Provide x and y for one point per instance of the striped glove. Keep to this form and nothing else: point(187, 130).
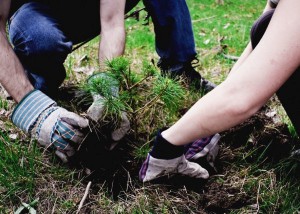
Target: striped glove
point(53, 126)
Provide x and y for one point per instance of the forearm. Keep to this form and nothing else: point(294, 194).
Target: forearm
point(254, 82)
point(219, 110)
point(231, 103)
point(247, 51)
point(12, 75)
point(112, 44)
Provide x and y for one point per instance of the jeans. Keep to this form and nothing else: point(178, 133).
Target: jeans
point(43, 34)
point(42, 39)
point(288, 92)
point(173, 30)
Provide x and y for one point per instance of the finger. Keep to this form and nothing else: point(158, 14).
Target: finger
point(154, 168)
point(74, 119)
point(59, 142)
point(192, 169)
point(98, 98)
point(65, 154)
point(119, 133)
point(68, 132)
point(62, 156)
point(95, 111)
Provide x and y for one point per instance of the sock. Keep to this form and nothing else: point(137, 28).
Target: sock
point(162, 149)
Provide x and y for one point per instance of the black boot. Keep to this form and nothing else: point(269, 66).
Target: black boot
point(186, 71)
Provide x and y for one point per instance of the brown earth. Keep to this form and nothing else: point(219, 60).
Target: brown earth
point(117, 167)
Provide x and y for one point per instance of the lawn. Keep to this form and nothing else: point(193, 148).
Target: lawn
point(254, 170)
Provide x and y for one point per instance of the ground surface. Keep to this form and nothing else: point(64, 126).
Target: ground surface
point(254, 170)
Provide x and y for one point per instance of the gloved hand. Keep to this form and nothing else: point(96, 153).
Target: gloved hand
point(166, 159)
point(205, 147)
point(154, 168)
point(96, 110)
point(53, 126)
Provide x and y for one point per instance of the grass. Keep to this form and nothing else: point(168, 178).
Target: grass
point(17, 166)
point(275, 185)
point(255, 171)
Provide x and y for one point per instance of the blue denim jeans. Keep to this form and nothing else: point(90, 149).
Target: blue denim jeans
point(43, 35)
point(173, 30)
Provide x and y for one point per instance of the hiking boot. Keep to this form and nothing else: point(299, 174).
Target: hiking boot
point(188, 72)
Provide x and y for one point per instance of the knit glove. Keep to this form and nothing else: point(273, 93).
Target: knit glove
point(97, 109)
point(53, 126)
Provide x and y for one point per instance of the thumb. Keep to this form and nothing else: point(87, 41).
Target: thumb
point(192, 169)
point(121, 131)
point(95, 111)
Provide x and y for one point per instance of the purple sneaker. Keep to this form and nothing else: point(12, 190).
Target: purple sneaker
point(203, 147)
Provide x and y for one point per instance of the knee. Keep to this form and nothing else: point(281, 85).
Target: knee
point(38, 38)
point(37, 41)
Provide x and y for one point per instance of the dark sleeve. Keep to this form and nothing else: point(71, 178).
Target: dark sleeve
point(15, 5)
point(273, 3)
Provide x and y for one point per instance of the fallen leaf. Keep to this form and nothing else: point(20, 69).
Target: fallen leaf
point(13, 136)
point(206, 41)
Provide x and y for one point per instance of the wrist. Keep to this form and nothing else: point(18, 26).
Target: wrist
point(20, 95)
point(163, 149)
point(29, 108)
point(167, 135)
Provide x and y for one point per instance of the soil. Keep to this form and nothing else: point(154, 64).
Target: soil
point(117, 167)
